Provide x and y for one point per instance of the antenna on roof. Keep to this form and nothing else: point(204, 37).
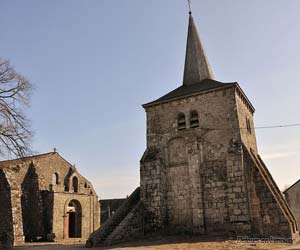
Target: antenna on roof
point(190, 8)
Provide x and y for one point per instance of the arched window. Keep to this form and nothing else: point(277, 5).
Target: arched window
point(181, 121)
point(85, 185)
point(194, 119)
point(75, 184)
point(55, 179)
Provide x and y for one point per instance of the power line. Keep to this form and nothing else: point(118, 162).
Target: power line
point(256, 128)
point(279, 126)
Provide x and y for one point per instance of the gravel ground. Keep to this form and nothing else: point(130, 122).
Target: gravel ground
point(167, 245)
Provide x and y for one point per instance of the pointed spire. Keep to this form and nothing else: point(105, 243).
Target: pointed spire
point(196, 67)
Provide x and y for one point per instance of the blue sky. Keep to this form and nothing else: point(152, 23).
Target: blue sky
point(93, 63)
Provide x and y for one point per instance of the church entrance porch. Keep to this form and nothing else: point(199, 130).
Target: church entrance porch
point(73, 220)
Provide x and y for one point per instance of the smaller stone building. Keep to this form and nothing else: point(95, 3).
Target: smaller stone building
point(109, 207)
point(292, 196)
point(43, 195)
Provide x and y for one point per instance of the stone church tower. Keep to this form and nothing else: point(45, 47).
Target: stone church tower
point(201, 172)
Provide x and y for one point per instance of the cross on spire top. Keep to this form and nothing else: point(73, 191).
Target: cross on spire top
point(190, 9)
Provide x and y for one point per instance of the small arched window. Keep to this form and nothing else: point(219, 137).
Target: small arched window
point(85, 185)
point(194, 119)
point(55, 179)
point(75, 184)
point(181, 121)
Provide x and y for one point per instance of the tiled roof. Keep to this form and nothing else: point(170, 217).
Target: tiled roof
point(186, 90)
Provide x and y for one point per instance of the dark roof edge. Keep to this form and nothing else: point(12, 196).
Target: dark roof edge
point(28, 157)
point(246, 98)
point(116, 199)
point(228, 85)
point(291, 186)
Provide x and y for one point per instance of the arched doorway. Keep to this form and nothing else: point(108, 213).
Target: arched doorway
point(73, 219)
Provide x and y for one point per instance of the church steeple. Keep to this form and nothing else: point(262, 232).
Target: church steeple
point(196, 67)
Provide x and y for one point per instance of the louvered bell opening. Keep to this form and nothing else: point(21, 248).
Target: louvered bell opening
point(181, 122)
point(194, 121)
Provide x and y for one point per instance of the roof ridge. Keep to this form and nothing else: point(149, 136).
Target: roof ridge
point(28, 157)
point(287, 189)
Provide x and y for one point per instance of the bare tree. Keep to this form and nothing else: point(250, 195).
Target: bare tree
point(15, 92)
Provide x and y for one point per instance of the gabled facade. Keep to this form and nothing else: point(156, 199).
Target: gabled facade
point(44, 195)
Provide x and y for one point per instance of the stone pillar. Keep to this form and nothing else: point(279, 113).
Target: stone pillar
point(16, 233)
point(153, 184)
point(194, 165)
point(237, 194)
point(18, 236)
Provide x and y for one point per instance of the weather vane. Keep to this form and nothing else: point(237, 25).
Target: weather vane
point(190, 9)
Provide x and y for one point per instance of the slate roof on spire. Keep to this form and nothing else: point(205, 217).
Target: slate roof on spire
point(198, 76)
point(196, 67)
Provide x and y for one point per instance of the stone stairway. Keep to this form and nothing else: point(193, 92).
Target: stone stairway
point(267, 177)
point(100, 236)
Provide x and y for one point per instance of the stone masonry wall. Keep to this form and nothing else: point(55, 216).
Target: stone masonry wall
point(11, 207)
point(237, 196)
point(199, 180)
point(87, 202)
point(32, 205)
point(244, 113)
point(268, 218)
point(6, 225)
point(197, 164)
point(153, 189)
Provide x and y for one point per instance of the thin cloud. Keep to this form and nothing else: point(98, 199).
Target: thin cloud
point(279, 155)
